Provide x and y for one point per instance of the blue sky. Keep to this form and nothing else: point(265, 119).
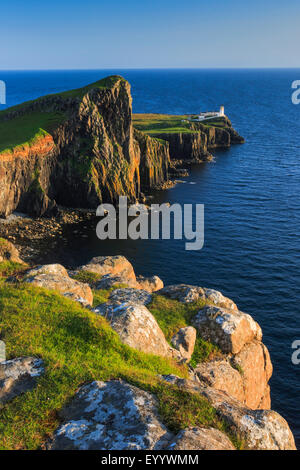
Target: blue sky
point(94, 34)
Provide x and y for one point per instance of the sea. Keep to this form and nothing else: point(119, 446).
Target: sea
point(251, 195)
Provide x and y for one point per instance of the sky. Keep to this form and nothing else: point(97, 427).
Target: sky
point(91, 34)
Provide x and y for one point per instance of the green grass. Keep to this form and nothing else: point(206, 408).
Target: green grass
point(88, 277)
point(25, 130)
point(10, 268)
point(172, 315)
point(77, 347)
point(157, 124)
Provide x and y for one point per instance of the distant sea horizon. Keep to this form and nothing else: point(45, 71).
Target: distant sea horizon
point(250, 192)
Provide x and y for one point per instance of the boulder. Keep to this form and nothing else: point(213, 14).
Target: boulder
point(108, 281)
point(256, 368)
point(112, 265)
point(18, 376)
point(201, 439)
point(55, 277)
point(184, 341)
point(220, 375)
point(258, 429)
point(8, 252)
point(136, 327)
point(130, 295)
point(150, 284)
point(186, 293)
point(229, 329)
point(111, 415)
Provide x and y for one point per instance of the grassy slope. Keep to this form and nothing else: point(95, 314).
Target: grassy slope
point(78, 346)
point(25, 129)
point(155, 124)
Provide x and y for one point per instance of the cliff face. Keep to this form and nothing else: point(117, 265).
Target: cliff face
point(200, 140)
point(89, 156)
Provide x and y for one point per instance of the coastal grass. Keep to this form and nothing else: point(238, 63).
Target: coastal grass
point(157, 124)
point(25, 130)
point(171, 315)
point(78, 346)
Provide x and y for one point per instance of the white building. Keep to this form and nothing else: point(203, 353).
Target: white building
point(211, 114)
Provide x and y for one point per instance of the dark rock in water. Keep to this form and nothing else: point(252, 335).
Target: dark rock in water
point(111, 415)
point(18, 376)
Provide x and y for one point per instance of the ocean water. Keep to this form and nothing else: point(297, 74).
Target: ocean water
point(251, 196)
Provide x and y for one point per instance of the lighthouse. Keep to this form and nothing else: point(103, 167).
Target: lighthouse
point(221, 113)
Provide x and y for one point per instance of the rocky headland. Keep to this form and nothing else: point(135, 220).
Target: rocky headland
point(83, 147)
point(101, 358)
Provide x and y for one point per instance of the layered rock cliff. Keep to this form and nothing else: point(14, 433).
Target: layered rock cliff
point(87, 154)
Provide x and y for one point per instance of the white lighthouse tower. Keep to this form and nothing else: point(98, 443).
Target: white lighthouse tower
point(221, 112)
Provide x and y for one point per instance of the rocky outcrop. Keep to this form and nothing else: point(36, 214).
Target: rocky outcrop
point(55, 277)
point(18, 376)
point(200, 140)
point(111, 265)
point(201, 439)
point(88, 155)
point(111, 416)
point(150, 284)
point(8, 252)
point(186, 293)
point(258, 429)
point(184, 341)
point(136, 327)
point(130, 295)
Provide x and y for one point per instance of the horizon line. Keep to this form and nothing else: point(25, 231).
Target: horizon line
point(146, 68)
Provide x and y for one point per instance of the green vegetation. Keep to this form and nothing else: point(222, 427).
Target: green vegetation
point(25, 130)
point(157, 124)
point(10, 268)
point(77, 347)
point(88, 277)
point(172, 315)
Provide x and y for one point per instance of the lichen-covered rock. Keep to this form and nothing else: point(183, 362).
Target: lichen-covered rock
point(201, 439)
point(111, 416)
point(186, 293)
point(258, 429)
point(130, 295)
point(18, 376)
point(8, 252)
point(55, 277)
point(136, 327)
point(113, 265)
point(108, 281)
point(220, 375)
point(184, 341)
point(229, 329)
point(150, 284)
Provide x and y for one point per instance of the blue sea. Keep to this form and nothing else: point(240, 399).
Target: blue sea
point(251, 194)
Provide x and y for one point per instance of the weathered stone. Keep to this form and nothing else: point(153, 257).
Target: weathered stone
point(130, 295)
point(55, 277)
point(184, 340)
point(150, 284)
point(2, 351)
point(186, 293)
point(201, 439)
point(256, 367)
point(108, 281)
point(259, 429)
point(111, 416)
point(229, 329)
point(8, 252)
point(18, 376)
point(136, 327)
point(112, 265)
point(220, 375)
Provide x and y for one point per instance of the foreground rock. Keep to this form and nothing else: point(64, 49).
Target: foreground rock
point(18, 376)
point(201, 439)
point(111, 416)
point(184, 341)
point(150, 284)
point(136, 327)
point(229, 329)
point(55, 277)
point(8, 252)
point(258, 429)
point(129, 295)
point(112, 265)
point(186, 293)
